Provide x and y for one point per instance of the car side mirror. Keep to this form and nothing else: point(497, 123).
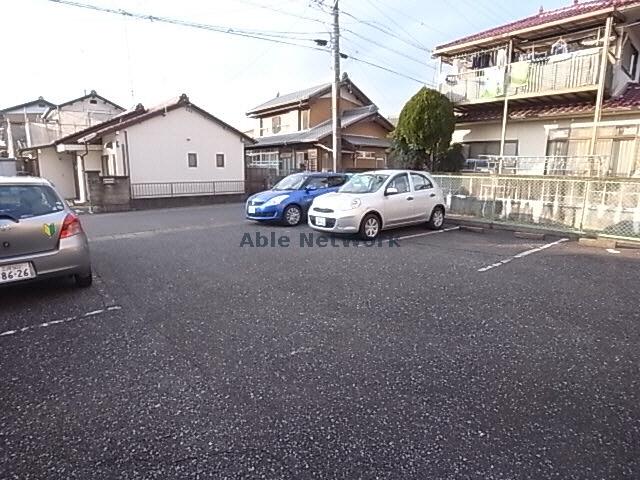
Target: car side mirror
point(391, 191)
point(310, 188)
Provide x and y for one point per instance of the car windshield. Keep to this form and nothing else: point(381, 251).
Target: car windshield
point(24, 201)
point(364, 183)
point(292, 182)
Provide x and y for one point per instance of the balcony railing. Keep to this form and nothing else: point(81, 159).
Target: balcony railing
point(554, 74)
point(559, 165)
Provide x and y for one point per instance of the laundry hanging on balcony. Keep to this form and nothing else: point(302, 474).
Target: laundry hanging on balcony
point(492, 82)
point(519, 74)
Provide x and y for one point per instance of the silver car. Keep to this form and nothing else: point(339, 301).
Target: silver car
point(40, 236)
point(374, 201)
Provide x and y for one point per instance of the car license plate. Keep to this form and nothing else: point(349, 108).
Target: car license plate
point(321, 221)
point(15, 272)
point(251, 210)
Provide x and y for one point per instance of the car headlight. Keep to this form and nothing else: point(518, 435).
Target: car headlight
point(355, 203)
point(276, 200)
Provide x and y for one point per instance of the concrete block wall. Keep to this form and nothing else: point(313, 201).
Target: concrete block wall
point(108, 194)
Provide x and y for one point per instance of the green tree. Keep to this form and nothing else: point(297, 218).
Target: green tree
point(424, 129)
point(452, 161)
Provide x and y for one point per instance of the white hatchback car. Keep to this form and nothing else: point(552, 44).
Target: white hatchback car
point(374, 201)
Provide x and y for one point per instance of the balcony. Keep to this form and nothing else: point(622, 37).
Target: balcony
point(576, 72)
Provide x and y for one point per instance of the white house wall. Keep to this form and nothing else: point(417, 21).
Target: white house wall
point(58, 169)
point(288, 123)
point(531, 135)
point(92, 161)
point(158, 149)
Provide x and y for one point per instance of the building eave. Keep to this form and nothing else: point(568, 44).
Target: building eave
point(480, 40)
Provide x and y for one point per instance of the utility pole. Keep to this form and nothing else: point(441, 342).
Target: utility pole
point(335, 91)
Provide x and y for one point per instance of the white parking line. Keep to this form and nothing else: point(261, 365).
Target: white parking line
point(62, 320)
point(522, 255)
point(429, 233)
point(161, 231)
point(415, 236)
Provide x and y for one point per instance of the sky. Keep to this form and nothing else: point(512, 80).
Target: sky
point(60, 52)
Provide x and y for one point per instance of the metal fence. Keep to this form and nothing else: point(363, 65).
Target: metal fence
point(188, 189)
point(570, 165)
point(602, 206)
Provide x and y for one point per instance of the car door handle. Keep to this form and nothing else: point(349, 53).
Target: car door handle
point(432, 195)
point(409, 198)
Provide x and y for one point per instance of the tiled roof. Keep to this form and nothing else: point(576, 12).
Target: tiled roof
point(294, 97)
point(38, 101)
point(91, 95)
point(139, 114)
point(628, 101)
point(349, 117)
point(542, 18)
point(363, 141)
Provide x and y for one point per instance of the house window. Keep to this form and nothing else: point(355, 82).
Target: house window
point(304, 119)
point(93, 101)
point(473, 150)
point(105, 164)
point(193, 160)
point(262, 159)
point(365, 155)
point(220, 160)
point(276, 124)
point(629, 60)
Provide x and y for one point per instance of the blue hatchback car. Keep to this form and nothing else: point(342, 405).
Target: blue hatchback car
point(289, 200)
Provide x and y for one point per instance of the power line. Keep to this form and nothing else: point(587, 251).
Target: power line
point(413, 19)
point(386, 69)
point(284, 12)
point(256, 34)
point(409, 35)
point(397, 52)
point(493, 12)
point(382, 67)
point(220, 29)
point(377, 26)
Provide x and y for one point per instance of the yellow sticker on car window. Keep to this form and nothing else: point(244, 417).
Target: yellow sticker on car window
point(49, 229)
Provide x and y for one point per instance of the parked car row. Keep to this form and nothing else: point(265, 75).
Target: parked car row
point(365, 203)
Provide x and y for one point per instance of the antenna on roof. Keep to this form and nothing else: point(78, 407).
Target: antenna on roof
point(541, 11)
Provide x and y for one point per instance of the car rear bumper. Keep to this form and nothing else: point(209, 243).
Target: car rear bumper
point(71, 258)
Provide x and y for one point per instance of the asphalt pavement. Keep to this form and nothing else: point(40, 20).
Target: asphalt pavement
point(200, 354)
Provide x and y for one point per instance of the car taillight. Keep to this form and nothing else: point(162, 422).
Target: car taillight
point(71, 226)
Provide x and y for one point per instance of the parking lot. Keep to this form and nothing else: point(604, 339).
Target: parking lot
point(448, 355)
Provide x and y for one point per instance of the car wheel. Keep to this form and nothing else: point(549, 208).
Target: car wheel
point(83, 281)
point(437, 219)
point(292, 215)
point(369, 227)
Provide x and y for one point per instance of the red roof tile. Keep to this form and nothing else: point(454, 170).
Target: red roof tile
point(629, 101)
point(577, 8)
